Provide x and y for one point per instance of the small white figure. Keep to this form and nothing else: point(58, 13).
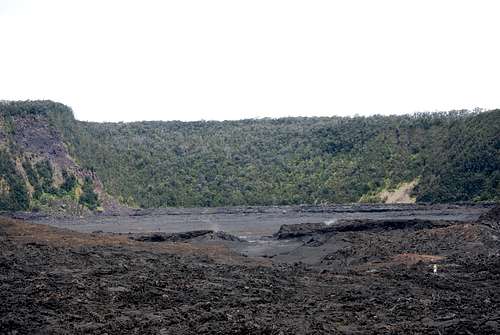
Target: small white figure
point(435, 268)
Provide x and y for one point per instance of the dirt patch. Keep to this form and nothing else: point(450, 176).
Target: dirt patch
point(410, 259)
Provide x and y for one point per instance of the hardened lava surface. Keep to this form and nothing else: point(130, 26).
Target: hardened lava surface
point(366, 277)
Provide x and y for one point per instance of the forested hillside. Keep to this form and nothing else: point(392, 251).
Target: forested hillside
point(455, 157)
point(452, 156)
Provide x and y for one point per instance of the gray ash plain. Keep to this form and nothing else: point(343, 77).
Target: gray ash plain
point(257, 225)
point(254, 222)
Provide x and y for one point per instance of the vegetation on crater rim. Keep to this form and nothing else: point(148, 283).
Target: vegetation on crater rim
point(454, 155)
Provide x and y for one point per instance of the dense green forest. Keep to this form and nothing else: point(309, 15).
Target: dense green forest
point(294, 160)
point(453, 155)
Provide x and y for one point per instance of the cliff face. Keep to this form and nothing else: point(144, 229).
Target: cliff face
point(37, 172)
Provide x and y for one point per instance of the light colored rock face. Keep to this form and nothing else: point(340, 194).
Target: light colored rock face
point(401, 195)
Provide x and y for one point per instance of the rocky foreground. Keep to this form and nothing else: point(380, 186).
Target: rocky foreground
point(373, 277)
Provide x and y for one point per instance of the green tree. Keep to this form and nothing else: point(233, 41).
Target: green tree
point(89, 198)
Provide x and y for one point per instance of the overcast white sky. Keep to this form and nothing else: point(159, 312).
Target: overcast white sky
point(114, 60)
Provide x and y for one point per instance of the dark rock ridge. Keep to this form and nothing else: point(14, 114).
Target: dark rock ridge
point(283, 209)
point(300, 230)
point(187, 236)
point(491, 218)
